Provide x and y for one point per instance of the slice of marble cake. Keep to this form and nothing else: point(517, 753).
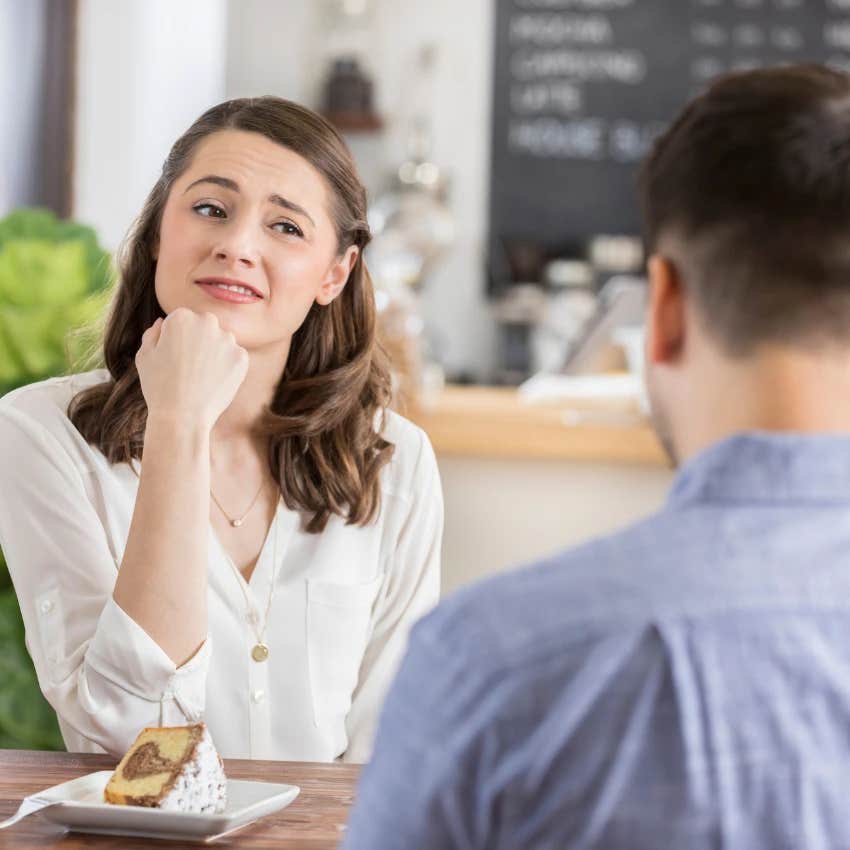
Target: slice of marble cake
point(176, 768)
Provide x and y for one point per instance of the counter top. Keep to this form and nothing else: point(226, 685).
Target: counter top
point(495, 422)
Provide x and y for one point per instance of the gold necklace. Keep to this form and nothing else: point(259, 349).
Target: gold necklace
point(237, 521)
point(260, 650)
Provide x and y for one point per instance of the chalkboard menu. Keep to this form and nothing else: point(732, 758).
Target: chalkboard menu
point(582, 87)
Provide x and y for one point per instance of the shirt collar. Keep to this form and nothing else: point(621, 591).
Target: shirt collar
point(766, 467)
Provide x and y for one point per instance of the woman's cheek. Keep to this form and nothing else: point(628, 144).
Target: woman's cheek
point(299, 277)
point(167, 288)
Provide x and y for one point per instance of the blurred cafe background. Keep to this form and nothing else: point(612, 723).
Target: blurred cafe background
point(499, 141)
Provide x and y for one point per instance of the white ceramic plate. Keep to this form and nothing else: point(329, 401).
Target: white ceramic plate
point(81, 809)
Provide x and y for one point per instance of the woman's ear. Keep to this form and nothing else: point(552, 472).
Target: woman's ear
point(666, 320)
point(337, 276)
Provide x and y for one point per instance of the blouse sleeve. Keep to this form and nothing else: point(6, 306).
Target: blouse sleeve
point(105, 677)
point(411, 589)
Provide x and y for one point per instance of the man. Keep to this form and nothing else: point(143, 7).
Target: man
point(684, 683)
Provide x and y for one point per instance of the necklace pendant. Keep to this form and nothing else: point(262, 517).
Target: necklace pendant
point(260, 652)
point(236, 523)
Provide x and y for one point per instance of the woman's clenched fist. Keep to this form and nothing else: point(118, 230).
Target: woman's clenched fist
point(190, 369)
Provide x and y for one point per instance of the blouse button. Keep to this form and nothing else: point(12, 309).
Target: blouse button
point(257, 696)
point(46, 607)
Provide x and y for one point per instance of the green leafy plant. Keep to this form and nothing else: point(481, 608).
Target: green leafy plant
point(54, 287)
point(54, 279)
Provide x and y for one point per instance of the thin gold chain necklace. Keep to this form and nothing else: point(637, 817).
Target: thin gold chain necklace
point(237, 521)
point(260, 650)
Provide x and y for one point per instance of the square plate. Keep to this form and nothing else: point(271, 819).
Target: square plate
point(80, 808)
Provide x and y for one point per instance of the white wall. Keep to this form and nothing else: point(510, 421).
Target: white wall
point(502, 513)
point(269, 48)
point(21, 84)
point(282, 47)
point(146, 69)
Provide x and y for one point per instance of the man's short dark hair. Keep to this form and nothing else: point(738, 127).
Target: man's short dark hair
point(748, 192)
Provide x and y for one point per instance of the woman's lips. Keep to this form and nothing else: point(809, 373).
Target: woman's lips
point(224, 292)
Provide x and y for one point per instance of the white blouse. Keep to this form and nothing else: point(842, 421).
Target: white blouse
point(343, 603)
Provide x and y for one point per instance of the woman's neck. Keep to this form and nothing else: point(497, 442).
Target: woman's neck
point(236, 424)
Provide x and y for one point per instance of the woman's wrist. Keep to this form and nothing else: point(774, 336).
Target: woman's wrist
point(179, 422)
point(182, 432)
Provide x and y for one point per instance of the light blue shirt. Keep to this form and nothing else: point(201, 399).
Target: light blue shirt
point(682, 684)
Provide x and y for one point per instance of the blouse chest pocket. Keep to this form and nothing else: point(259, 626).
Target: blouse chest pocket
point(338, 626)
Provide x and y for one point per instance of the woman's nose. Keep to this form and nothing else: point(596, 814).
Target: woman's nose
point(237, 247)
point(243, 258)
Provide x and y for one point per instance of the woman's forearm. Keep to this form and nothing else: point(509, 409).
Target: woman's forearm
point(162, 582)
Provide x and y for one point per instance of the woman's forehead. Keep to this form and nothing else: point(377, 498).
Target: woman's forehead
point(256, 164)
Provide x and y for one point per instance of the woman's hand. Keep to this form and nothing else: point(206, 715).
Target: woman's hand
point(190, 369)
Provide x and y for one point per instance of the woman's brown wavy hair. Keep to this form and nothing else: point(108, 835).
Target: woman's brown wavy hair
point(324, 449)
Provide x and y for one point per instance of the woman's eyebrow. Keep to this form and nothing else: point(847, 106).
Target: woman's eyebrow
point(227, 183)
point(224, 182)
point(292, 206)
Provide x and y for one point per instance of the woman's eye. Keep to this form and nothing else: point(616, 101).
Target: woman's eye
point(287, 227)
point(209, 210)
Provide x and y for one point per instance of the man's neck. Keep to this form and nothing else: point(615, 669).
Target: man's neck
point(776, 389)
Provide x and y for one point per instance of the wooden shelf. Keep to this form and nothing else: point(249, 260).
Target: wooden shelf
point(494, 422)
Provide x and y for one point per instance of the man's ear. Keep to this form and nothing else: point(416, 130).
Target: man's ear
point(666, 322)
point(337, 276)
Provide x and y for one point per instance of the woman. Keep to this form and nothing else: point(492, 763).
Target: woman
point(225, 523)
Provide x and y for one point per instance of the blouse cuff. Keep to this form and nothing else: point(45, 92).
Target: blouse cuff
point(125, 654)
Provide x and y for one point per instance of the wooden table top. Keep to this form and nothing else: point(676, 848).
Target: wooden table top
point(494, 422)
point(313, 822)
